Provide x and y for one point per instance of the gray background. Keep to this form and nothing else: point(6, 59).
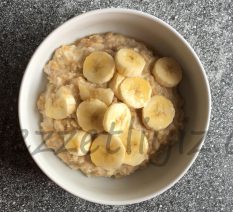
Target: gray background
point(207, 26)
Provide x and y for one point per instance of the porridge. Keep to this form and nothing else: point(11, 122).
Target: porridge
point(111, 105)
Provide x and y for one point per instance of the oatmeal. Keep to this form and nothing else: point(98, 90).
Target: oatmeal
point(111, 105)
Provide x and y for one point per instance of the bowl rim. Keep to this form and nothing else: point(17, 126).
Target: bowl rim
point(187, 45)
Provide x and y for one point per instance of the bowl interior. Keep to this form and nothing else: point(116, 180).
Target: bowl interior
point(154, 179)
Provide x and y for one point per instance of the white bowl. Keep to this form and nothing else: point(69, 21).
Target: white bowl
point(153, 180)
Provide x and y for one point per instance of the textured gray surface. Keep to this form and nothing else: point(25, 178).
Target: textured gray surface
point(207, 26)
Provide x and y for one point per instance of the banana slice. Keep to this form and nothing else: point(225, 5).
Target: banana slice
point(115, 82)
point(99, 67)
point(135, 92)
point(136, 146)
point(88, 91)
point(62, 105)
point(158, 113)
point(90, 114)
point(117, 118)
point(107, 151)
point(129, 63)
point(78, 143)
point(167, 72)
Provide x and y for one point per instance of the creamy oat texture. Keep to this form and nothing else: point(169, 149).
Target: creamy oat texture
point(64, 69)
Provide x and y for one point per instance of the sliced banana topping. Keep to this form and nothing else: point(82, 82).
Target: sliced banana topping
point(167, 72)
point(117, 118)
point(115, 82)
point(135, 92)
point(99, 67)
point(62, 105)
point(90, 114)
point(136, 146)
point(78, 143)
point(129, 63)
point(107, 151)
point(158, 113)
point(88, 90)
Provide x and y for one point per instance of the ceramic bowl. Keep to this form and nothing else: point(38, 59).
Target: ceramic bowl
point(143, 184)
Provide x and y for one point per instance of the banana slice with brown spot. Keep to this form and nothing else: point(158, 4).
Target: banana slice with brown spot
point(158, 114)
point(99, 67)
point(136, 146)
point(135, 92)
point(90, 115)
point(78, 143)
point(115, 82)
point(88, 91)
point(117, 118)
point(107, 151)
point(62, 105)
point(129, 62)
point(167, 72)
